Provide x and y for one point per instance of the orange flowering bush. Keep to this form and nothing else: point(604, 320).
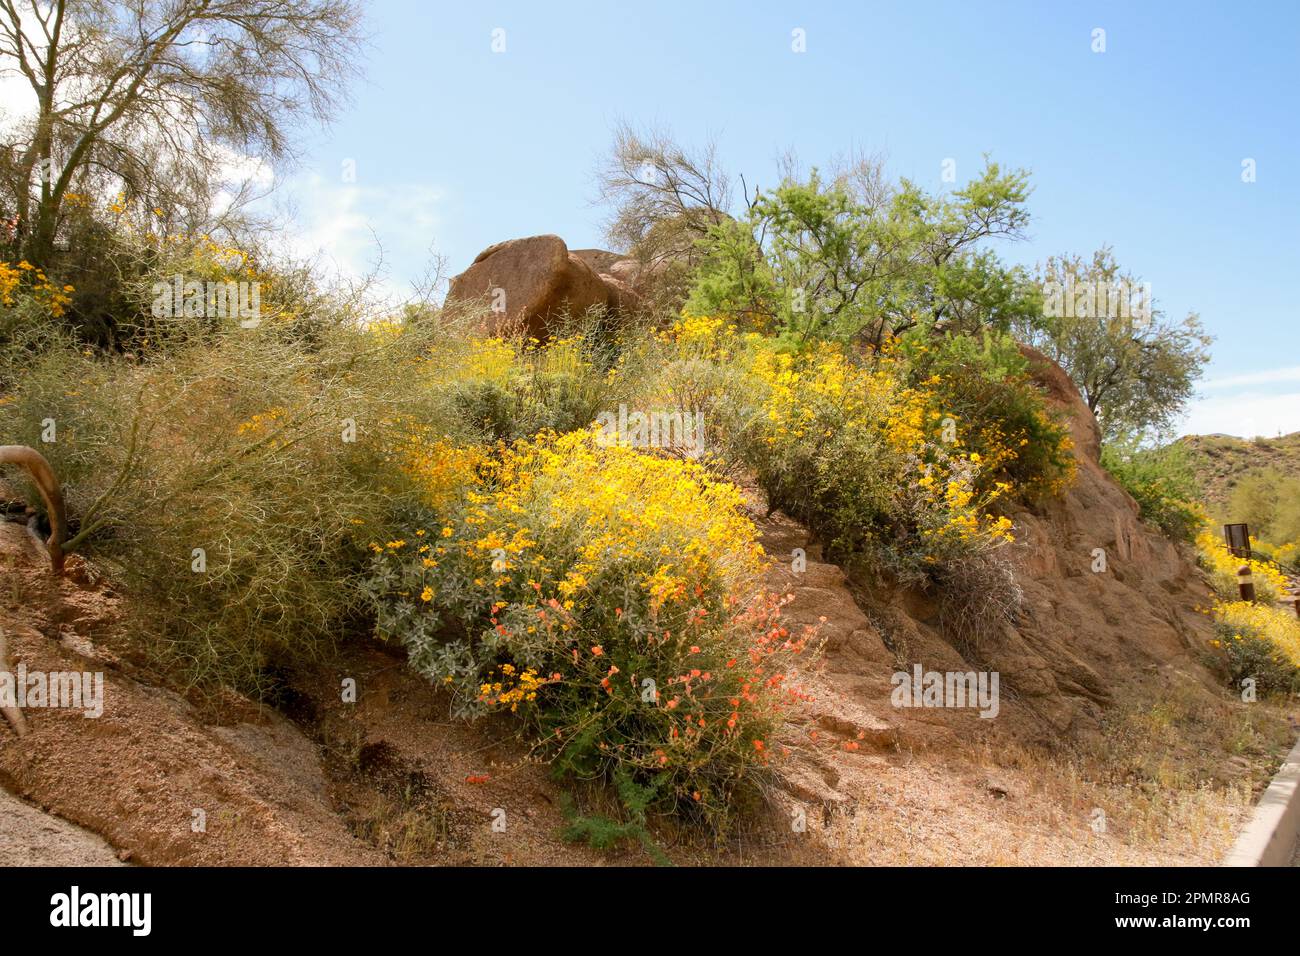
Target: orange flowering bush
point(608, 597)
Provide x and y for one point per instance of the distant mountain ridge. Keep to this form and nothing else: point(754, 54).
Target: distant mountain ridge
point(1220, 461)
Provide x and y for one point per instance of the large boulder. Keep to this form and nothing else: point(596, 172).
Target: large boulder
point(530, 282)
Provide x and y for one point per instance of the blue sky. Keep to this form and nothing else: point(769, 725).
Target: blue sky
point(1140, 146)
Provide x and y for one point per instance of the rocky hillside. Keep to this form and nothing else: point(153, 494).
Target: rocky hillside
point(1221, 460)
point(389, 779)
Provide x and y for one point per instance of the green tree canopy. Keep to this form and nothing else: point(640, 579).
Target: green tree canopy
point(1135, 368)
point(847, 258)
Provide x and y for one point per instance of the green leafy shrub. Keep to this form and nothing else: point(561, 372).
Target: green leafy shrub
point(1161, 481)
point(982, 381)
point(507, 389)
point(1260, 643)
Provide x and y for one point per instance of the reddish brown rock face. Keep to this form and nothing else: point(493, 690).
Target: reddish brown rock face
point(531, 282)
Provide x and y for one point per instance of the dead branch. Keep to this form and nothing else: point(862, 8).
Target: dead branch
point(48, 485)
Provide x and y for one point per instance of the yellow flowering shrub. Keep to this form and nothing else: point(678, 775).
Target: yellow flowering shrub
point(1260, 643)
point(982, 387)
point(1259, 640)
point(24, 280)
point(1288, 555)
point(862, 457)
point(898, 459)
point(1222, 566)
point(9, 279)
point(507, 389)
point(438, 469)
point(609, 598)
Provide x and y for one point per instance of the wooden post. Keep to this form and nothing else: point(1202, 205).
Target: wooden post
point(1246, 583)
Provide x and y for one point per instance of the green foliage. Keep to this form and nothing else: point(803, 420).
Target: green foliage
point(561, 387)
point(604, 833)
point(1161, 480)
point(230, 443)
point(1252, 654)
point(1269, 502)
point(1135, 368)
point(831, 259)
point(983, 382)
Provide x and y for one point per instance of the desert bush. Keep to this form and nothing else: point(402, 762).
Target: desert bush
point(982, 382)
point(1285, 556)
point(702, 367)
point(1269, 501)
point(1162, 482)
point(859, 455)
point(848, 444)
point(30, 301)
point(608, 598)
point(1261, 643)
point(218, 477)
point(505, 389)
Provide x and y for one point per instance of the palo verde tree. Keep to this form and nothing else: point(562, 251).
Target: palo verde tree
point(158, 99)
point(1136, 368)
point(852, 258)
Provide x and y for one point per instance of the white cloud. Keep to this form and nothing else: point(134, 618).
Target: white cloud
point(349, 227)
point(1245, 414)
point(1264, 377)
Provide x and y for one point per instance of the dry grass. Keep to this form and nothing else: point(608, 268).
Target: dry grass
point(1171, 782)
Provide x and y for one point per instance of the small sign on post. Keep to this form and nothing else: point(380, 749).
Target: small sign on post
point(1237, 537)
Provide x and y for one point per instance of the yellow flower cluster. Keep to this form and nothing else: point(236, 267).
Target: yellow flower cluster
point(491, 360)
point(440, 469)
point(1279, 627)
point(1265, 618)
point(803, 388)
point(700, 331)
point(609, 507)
point(9, 279)
point(260, 423)
point(823, 395)
point(1222, 565)
point(513, 689)
point(53, 297)
point(1288, 553)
